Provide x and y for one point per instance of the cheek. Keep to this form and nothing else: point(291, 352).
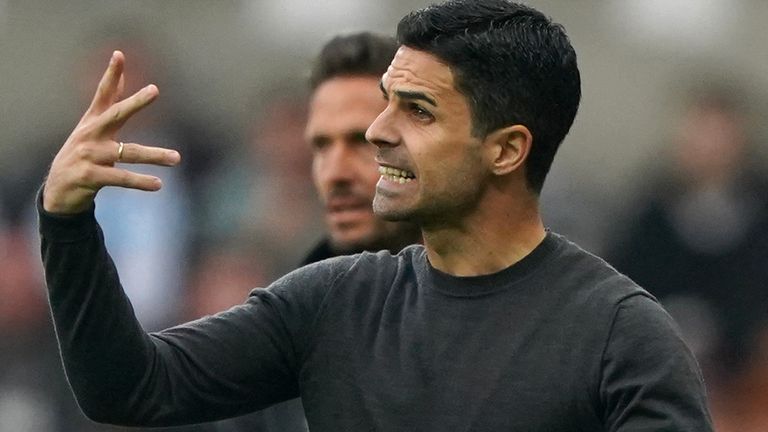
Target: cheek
point(366, 166)
point(316, 177)
point(370, 183)
point(454, 173)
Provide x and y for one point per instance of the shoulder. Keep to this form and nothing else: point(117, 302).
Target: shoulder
point(588, 275)
point(643, 315)
point(636, 334)
point(382, 269)
point(345, 272)
point(646, 366)
point(644, 362)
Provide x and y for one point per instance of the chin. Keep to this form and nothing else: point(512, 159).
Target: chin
point(346, 242)
point(390, 214)
point(392, 210)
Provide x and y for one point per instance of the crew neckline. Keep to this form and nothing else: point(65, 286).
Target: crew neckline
point(474, 286)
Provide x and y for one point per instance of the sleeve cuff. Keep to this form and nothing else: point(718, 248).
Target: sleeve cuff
point(65, 227)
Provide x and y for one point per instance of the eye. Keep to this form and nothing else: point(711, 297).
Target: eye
point(419, 112)
point(358, 138)
point(319, 143)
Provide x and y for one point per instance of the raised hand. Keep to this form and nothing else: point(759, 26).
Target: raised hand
point(86, 161)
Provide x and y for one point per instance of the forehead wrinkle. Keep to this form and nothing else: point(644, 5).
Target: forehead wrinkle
point(409, 64)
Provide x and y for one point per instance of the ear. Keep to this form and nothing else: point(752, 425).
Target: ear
point(509, 148)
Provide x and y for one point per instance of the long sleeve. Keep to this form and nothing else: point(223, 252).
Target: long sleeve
point(232, 363)
point(650, 381)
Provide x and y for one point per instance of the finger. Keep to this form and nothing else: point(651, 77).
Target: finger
point(112, 176)
point(101, 153)
point(137, 153)
point(114, 117)
point(105, 92)
point(120, 88)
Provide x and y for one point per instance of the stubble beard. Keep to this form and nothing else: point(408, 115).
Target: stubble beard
point(433, 213)
point(389, 212)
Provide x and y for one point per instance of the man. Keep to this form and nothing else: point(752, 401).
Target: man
point(344, 102)
point(493, 324)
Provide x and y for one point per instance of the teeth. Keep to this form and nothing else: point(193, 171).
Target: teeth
point(396, 175)
point(395, 172)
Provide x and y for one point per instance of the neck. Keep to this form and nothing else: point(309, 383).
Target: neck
point(486, 241)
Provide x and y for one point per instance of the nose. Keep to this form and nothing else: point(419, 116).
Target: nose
point(382, 132)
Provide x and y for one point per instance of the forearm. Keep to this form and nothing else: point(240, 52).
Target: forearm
point(106, 354)
point(235, 362)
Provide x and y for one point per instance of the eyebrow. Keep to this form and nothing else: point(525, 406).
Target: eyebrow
point(405, 94)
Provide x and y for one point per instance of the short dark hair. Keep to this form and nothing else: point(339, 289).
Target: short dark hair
point(356, 54)
point(511, 62)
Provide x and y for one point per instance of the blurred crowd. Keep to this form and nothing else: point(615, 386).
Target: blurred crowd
point(694, 233)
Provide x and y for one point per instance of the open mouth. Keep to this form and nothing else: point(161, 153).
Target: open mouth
point(396, 175)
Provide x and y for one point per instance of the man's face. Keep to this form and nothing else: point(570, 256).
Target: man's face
point(344, 168)
point(424, 134)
